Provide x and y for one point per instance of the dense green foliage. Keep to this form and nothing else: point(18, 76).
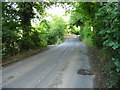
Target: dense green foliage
point(103, 17)
point(108, 33)
point(95, 22)
point(16, 28)
point(52, 31)
point(57, 30)
point(18, 33)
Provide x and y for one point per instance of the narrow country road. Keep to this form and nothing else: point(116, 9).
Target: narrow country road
point(57, 67)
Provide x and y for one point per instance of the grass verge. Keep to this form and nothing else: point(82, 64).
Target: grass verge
point(88, 42)
point(100, 80)
point(95, 56)
point(21, 56)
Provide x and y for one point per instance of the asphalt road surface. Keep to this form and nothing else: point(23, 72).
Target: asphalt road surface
point(56, 67)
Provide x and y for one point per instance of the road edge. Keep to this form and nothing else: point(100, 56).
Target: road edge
point(25, 55)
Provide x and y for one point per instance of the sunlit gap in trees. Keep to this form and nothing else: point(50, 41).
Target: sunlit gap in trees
point(54, 10)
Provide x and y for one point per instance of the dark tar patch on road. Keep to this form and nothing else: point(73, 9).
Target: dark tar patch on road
point(84, 72)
